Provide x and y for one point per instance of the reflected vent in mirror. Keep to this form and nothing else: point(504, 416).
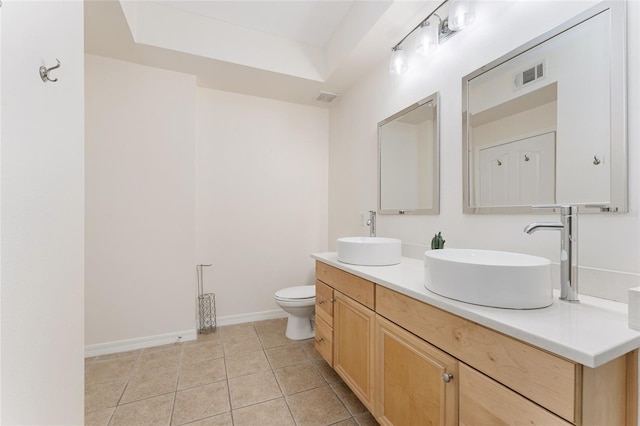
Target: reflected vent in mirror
point(326, 97)
point(529, 75)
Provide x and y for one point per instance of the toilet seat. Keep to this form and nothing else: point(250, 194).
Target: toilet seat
point(300, 292)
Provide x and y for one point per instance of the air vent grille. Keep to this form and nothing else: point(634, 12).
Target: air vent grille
point(529, 75)
point(327, 97)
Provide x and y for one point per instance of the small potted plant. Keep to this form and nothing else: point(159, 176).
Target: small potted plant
point(437, 242)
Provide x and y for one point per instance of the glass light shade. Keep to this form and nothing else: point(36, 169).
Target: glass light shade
point(427, 39)
point(399, 63)
point(461, 14)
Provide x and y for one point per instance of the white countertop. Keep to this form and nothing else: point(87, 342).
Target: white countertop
point(591, 332)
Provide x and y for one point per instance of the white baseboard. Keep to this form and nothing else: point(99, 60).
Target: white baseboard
point(139, 343)
point(251, 317)
point(175, 337)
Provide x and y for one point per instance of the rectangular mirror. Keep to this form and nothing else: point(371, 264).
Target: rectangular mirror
point(545, 124)
point(408, 157)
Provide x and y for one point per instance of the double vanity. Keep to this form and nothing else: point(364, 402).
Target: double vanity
point(415, 357)
point(474, 337)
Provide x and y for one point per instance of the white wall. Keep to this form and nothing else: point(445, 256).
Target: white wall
point(261, 197)
point(174, 180)
point(42, 190)
point(140, 244)
point(609, 245)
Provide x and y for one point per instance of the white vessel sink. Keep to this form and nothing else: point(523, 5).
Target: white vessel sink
point(369, 251)
point(490, 278)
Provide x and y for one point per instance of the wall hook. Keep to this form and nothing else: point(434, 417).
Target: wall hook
point(44, 72)
point(499, 163)
point(526, 157)
point(596, 160)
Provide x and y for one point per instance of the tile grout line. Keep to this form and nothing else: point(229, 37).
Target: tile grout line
point(175, 393)
point(226, 373)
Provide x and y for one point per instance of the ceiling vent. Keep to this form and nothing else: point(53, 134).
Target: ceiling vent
point(327, 97)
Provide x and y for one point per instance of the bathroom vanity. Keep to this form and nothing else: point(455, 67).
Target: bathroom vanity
point(413, 357)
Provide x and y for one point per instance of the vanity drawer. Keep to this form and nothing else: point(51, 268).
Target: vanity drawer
point(357, 288)
point(324, 340)
point(544, 378)
point(324, 302)
point(484, 401)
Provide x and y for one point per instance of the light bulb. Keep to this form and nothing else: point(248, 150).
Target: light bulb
point(399, 62)
point(461, 14)
point(427, 39)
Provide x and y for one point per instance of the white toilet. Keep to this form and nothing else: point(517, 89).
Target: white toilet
point(299, 303)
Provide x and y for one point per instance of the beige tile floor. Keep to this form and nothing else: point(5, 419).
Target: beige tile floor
point(245, 374)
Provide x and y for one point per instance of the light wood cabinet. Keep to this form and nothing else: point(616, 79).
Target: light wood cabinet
point(345, 327)
point(416, 383)
point(392, 351)
point(578, 394)
point(540, 376)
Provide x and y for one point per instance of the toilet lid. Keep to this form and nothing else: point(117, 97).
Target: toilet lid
point(299, 292)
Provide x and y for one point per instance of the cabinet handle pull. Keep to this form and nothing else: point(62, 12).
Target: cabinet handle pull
point(320, 339)
point(332, 300)
point(446, 377)
point(320, 302)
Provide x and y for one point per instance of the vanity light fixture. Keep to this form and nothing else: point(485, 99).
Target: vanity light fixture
point(430, 34)
point(399, 63)
point(461, 14)
point(427, 38)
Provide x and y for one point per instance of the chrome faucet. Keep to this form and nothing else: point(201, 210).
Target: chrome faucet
point(568, 226)
point(371, 223)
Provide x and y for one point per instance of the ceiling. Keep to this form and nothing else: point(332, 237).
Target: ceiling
point(310, 22)
point(286, 50)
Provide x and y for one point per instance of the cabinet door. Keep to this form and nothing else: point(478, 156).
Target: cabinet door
point(353, 333)
point(485, 402)
point(416, 382)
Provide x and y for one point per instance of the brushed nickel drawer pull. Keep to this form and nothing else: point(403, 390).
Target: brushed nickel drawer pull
point(320, 339)
point(446, 377)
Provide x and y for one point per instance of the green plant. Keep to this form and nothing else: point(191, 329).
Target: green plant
point(437, 242)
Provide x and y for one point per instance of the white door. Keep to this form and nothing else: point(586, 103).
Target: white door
point(42, 199)
point(518, 173)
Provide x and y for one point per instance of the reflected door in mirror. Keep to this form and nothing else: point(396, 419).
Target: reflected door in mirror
point(518, 173)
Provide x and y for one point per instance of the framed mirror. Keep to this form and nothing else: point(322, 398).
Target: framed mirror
point(546, 123)
point(408, 160)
